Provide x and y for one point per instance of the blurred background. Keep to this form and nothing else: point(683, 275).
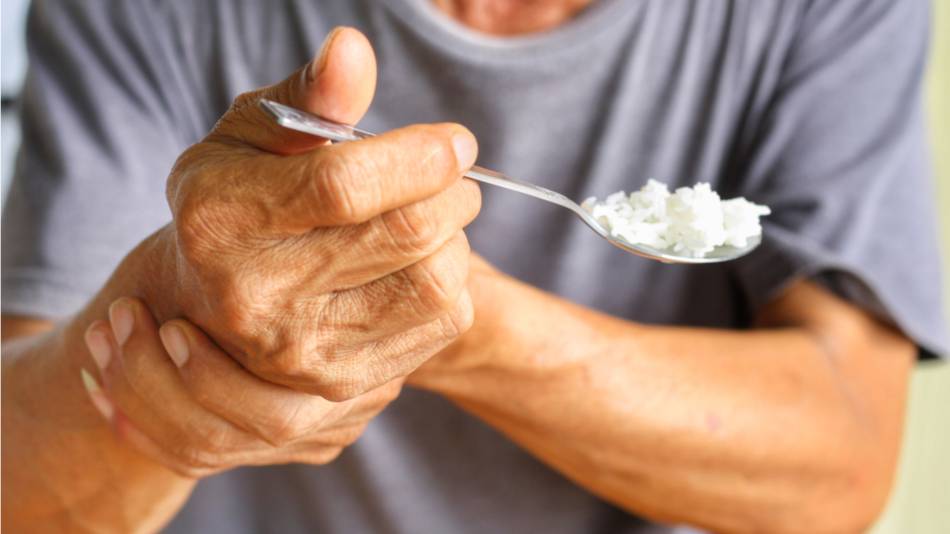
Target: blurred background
point(920, 503)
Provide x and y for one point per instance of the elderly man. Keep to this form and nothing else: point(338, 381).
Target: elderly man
point(217, 378)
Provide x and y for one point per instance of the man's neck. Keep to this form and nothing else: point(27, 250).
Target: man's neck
point(512, 17)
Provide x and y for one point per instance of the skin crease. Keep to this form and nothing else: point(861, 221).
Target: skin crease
point(675, 424)
point(277, 274)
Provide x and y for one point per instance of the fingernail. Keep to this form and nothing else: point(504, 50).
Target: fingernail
point(175, 344)
point(99, 347)
point(466, 149)
point(122, 319)
point(98, 397)
point(317, 65)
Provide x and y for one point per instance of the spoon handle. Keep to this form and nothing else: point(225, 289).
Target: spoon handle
point(302, 121)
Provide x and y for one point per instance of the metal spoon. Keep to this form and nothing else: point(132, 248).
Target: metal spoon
point(303, 121)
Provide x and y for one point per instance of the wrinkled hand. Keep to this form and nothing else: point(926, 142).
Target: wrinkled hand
point(485, 343)
point(331, 269)
point(177, 398)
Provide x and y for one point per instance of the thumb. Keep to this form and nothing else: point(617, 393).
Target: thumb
point(337, 84)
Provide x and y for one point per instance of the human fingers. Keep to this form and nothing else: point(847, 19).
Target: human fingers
point(338, 84)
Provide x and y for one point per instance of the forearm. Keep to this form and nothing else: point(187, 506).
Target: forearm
point(62, 465)
point(732, 430)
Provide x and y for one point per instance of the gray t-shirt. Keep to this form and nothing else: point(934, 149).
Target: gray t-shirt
point(810, 107)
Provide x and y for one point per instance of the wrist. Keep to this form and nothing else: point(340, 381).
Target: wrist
point(520, 334)
point(476, 348)
point(152, 272)
point(60, 453)
point(44, 400)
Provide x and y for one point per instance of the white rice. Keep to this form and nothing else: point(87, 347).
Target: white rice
point(692, 221)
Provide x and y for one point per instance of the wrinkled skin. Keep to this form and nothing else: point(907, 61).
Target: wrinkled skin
point(210, 414)
point(314, 278)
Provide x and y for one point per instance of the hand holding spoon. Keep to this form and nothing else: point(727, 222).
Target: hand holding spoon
point(302, 121)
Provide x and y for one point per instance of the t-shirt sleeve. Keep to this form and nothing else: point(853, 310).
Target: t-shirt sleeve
point(99, 137)
point(840, 155)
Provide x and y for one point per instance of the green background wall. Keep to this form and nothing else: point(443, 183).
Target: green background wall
point(920, 503)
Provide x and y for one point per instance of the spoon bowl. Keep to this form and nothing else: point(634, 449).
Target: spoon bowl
point(309, 123)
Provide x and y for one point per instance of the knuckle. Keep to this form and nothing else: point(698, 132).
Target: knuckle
point(450, 328)
point(335, 189)
point(233, 305)
point(438, 281)
point(439, 287)
point(296, 364)
point(335, 378)
point(461, 319)
point(344, 389)
point(346, 381)
point(411, 229)
point(290, 363)
point(180, 174)
point(203, 216)
point(233, 313)
point(437, 154)
point(198, 223)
